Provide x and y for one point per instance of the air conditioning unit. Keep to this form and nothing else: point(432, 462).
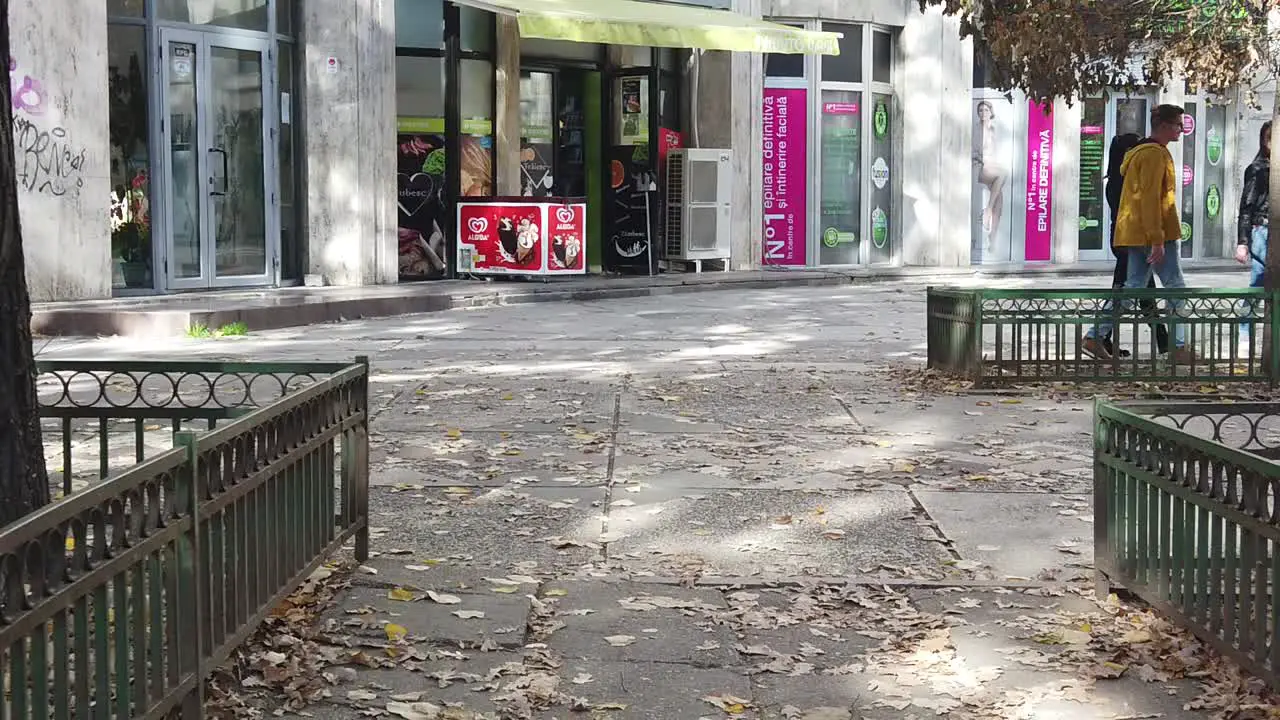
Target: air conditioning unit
point(698, 208)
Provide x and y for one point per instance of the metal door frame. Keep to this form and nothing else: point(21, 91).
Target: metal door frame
point(204, 42)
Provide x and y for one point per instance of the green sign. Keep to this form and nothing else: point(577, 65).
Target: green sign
point(1213, 201)
point(832, 237)
point(880, 120)
point(879, 228)
point(1087, 223)
point(1186, 231)
point(1214, 143)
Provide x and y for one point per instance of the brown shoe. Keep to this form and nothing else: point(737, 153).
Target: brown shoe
point(1181, 356)
point(1094, 348)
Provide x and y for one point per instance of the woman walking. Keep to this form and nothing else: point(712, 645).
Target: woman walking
point(1120, 146)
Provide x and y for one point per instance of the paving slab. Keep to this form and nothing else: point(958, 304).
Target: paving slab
point(491, 528)
point(474, 620)
point(752, 532)
point(652, 690)
point(567, 457)
point(1018, 535)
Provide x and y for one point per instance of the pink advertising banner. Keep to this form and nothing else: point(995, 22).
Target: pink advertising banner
point(786, 175)
point(1039, 235)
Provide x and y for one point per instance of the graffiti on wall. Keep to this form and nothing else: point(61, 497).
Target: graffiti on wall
point(46, 159)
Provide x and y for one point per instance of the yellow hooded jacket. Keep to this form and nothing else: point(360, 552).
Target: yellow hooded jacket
point(1148, 199)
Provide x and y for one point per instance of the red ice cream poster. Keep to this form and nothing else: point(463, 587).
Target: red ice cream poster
point(567, 230)
point(503, 237)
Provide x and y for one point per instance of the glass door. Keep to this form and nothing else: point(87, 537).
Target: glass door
point(217, 131)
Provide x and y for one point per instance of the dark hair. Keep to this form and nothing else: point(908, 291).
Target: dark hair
point(1167, 115)
point(986, 104)
point(1264, 137)
point(1120, 146)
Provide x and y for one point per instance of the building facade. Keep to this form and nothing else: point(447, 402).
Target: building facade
point(208, 144)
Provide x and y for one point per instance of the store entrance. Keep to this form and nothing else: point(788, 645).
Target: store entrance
point(553, 136)
point(218, 205)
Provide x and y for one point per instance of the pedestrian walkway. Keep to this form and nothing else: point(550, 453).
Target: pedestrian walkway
point(744, 506)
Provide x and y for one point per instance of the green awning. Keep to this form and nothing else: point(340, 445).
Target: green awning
point(631, 22)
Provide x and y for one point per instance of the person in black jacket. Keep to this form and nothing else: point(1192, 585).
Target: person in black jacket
point(1120, 146)
point(1255, 210)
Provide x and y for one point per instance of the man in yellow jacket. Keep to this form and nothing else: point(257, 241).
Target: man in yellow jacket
point(1148, 226)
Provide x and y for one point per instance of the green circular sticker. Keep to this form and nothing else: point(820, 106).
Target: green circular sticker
point(1214, 146)
point(1186, 231)
point(880, 119)
point(879, 228)
point(1213, 201)
point(831, 237)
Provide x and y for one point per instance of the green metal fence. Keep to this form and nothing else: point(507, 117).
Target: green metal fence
point(119, 600)
point(1186, 516)
point(999, 337)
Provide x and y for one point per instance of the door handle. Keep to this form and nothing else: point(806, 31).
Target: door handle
point(225, 180)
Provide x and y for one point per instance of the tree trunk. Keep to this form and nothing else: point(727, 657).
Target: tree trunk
point(24, 481)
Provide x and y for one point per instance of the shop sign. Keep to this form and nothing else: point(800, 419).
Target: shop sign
point(1188, 123)
point(839, 108)
point(1186, 231)
point(833, 237)
point(1039, 188)
point(1188, 175)
point(880, 173)
point(1214, 149)
point(880, 120)
point(1213, 201)
point(786, 177)
point(879, 228)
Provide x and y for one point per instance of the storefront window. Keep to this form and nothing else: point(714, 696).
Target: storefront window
point(881, 57)
point(883, 215)
point(996, 132)
point(841, 180)
point(1187, 177)
point(421, 160)
point(1216, 219)
point(476, 29)
point(1093, 163)
point(125, 8)
point(847, 66)
point(537, 134)
point(420, 24)
point(130, 158)
point(242, 14)
point(290, 239)
point(476, 84)
point(285, 10)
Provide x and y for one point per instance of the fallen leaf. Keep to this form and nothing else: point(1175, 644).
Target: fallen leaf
point(833, 534)
point(401, 594)
point(506, 589)
point(469, 614)
point(361, 695)
point(620, 640)
point(414, 711)
point(728, 703)
point(556, 592)
point(582, 678)
point(453, 433)
point(444, 598)
point(396, 633)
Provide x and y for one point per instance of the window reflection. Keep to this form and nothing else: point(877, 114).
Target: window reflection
point(130, 159)
point(243, 14)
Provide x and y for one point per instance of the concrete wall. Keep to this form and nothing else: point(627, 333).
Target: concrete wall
point(61, 140)
point(933, 80)
point(349, 148)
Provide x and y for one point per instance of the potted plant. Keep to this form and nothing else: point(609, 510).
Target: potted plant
point(131, 232)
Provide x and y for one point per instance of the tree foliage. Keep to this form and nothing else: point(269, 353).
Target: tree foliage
point(1068, 48)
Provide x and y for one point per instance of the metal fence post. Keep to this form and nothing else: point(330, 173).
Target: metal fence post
point(361, 475)
point(975, 336)
point(1101, 506)
point(1273, 345)
point(190, 571)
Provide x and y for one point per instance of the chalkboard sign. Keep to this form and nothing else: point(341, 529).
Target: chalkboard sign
point(631, 221)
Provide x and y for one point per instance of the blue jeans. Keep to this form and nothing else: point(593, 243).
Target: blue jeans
point(1258, 254)
point(1169, 270)
point(1257, 270)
